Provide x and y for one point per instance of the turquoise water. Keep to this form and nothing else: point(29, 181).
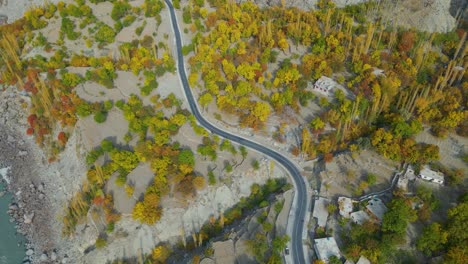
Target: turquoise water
point(10, 253)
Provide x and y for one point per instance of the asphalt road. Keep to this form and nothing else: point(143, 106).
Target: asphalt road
point(296, 249)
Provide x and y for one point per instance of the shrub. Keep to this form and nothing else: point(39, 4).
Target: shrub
point(371, 178)
point(68, 28)
point(187, 49)
point(211, 178)
point(93, 155)
point(101, 242)
point(84, 109)
point(110, 227)
point(128, 20)
point(100, 117)
point(121, 180)
point(105, 34)
point(119, 10)
point(107, 145)
point(71, 79)
point(255, 164)
point(108, 105)
point(186, 15)
point(153, 7)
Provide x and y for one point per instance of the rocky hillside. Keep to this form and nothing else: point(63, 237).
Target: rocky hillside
point(425, 15)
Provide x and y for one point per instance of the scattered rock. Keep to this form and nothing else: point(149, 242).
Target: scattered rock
point(44, 257)
point(13, 207)
point(29, 252)
point(40, 187)
point(22, 153)
point(53, 256)
point(64, 260)
point(28, 218)
point(41, 196)
point(2, 193)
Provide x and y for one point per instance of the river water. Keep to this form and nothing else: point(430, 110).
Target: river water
point(10, 252)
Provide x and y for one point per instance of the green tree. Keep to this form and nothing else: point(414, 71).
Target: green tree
point(186, 157)
point(119, 9)
point(432, 239)
point(399, 214)
point(371, 178)
point(457, 224)
point(105, 34)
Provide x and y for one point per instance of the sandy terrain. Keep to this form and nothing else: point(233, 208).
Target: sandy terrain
point(450, 148)
point(336, 173)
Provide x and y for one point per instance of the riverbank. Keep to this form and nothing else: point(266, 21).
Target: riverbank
point(12, 248)
point(39, 189)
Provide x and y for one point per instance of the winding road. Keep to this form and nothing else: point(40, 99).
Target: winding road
point(299, 210)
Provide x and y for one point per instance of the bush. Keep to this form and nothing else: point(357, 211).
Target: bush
point(121, 180)
point(371, 178)
point(128, 20)
point(255, 164)
point(211, 178)
point(187, 49)
point(93, 155)
point(68, 28)
point(71, 79)
point(153, 7)
point(100, 117)
point(108, 105)
point(107, 145)
point(105, 34)
point(84, 109)
point(119, 10)
point(101, 242)
point(110, 227)
point(186, 15)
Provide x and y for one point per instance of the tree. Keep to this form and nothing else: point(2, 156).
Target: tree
point(205, 99)
point(160, 254)
point(407, 41)
point(317, 125)
point(199, 182)
point(105, 34)
point(259, 246)
point(456, 224)
point(371, 178)
point(399, 214)
point(146, 212)
point(456, 255)
point(261, 111)
point(432, 239)
point(186, 156)
point(119, 10)
point(100, 117)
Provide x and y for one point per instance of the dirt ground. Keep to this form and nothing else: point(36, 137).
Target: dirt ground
point(451, 149)
point(344, 173)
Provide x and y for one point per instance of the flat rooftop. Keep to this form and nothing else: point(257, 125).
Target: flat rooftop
point(326, 247)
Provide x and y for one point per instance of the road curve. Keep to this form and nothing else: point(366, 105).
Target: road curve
point(301, 193)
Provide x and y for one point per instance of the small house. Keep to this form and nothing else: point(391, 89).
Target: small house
point(320, 211)
point(363, 260)
point(433, 176)
point(359, 217)
point(345, 205)
point(325, 86)
point(326, 248)
point(3, 19)
point(376, 209)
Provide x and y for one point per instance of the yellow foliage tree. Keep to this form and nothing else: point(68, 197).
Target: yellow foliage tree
point(199, 182)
